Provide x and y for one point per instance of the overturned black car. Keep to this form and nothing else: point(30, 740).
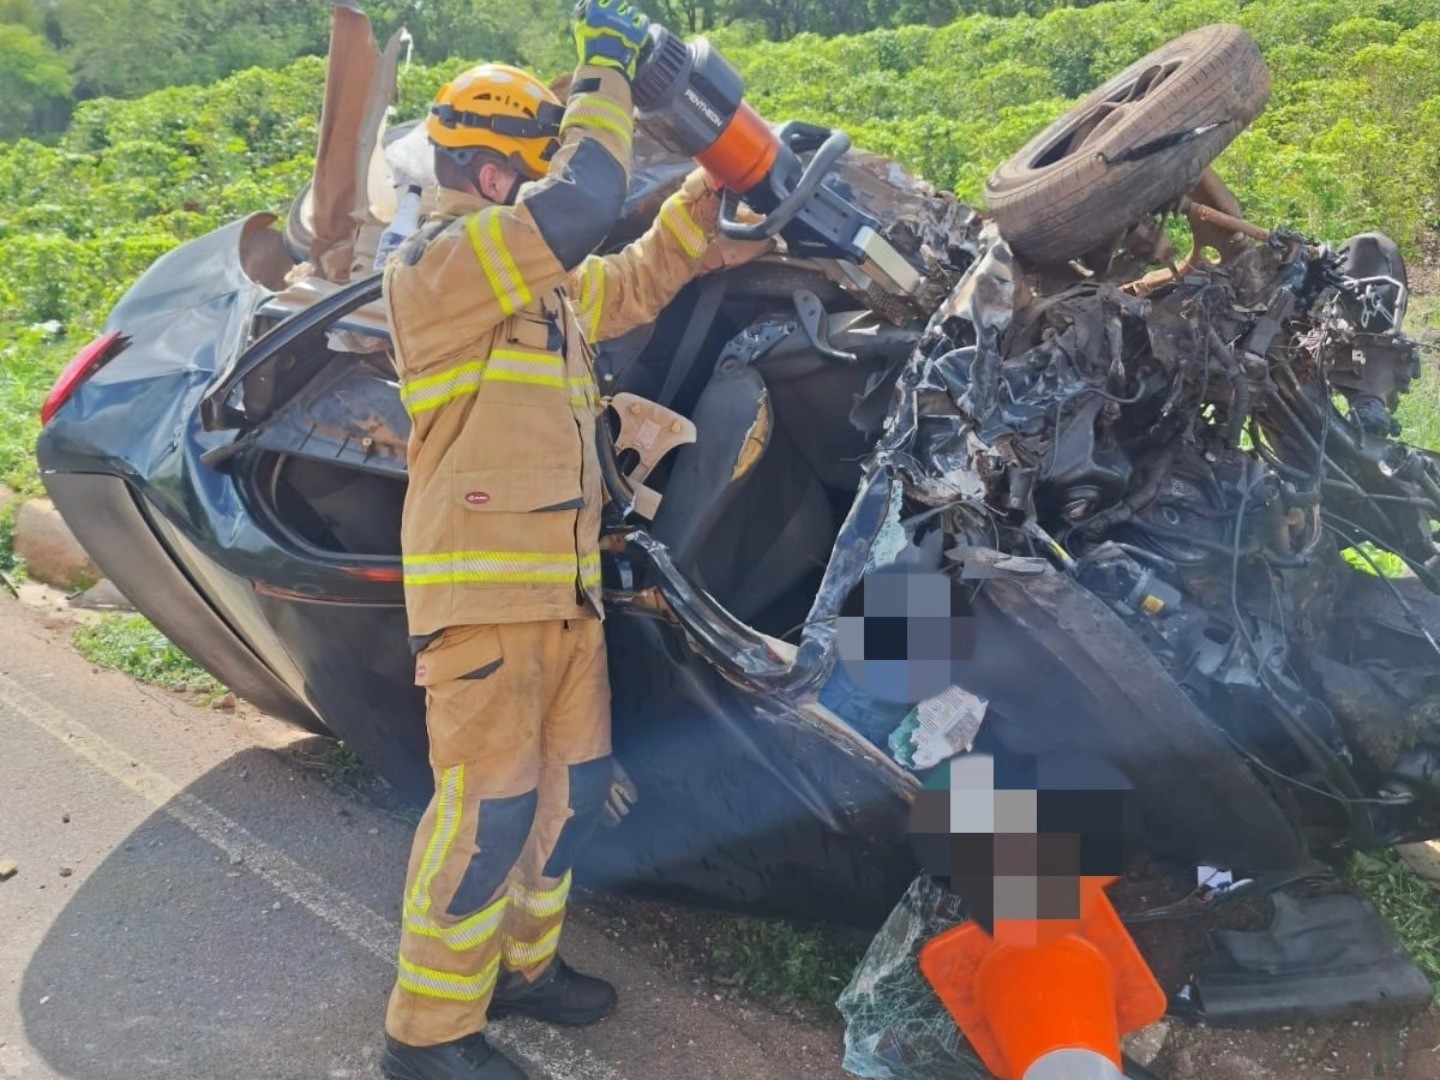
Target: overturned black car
point(1157, 485)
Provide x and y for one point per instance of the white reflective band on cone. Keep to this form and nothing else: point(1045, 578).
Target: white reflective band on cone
point(1073, 1065)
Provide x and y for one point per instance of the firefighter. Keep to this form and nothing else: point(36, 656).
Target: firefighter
point(492, 307)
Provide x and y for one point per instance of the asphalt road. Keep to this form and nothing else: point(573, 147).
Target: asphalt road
point(194, 902)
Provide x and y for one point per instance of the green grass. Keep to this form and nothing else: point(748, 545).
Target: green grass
point(1419, 412)
point(130, 644)
point(788, 966)
point(29, 362)
point(11, 565)
point(1369, 559)
point(340, 767)
point(781, 962)
point(1409, 905)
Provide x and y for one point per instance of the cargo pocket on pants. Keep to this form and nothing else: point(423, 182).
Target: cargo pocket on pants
point(468, 713)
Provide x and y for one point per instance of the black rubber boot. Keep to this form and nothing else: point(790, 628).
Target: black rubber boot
point(559, 996)
point(470, 1058)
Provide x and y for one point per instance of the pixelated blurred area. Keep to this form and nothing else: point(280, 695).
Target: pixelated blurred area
point(900, 633)
point(1014, 836)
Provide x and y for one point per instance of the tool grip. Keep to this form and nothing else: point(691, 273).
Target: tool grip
point(834, 146)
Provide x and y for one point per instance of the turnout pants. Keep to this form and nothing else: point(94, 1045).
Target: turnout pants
point(519, 723)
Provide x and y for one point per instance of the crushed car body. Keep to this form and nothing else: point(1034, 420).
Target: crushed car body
point(1153, 489)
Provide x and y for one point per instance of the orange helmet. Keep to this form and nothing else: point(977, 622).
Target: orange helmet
point(500, 108)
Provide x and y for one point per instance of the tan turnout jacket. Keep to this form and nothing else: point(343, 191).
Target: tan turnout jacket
point(492, 345)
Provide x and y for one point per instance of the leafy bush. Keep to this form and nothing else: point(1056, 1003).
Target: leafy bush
point(1348, 142)
point(1351, 140)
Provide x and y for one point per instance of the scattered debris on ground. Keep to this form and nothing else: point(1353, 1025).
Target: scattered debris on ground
point(102, 596)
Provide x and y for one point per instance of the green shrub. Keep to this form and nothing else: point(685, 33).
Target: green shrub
point(130, 644)
point(1351, 140)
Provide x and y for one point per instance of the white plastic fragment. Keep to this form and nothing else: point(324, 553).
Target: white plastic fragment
point(948, 724)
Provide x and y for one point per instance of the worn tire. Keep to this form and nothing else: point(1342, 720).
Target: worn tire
point(1052, 206)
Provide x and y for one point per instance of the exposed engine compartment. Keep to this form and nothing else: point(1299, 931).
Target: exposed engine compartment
point(1211, 451)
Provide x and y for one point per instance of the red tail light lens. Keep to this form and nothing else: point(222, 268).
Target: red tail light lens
point(373, 573)
point(86, 362)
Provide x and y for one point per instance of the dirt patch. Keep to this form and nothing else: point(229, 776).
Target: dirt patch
point(1375, 1048)
point(1423, 275)
point(1174, 947)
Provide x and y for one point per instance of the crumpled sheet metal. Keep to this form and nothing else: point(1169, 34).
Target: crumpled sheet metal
point(953, 375)
point(895, 1026)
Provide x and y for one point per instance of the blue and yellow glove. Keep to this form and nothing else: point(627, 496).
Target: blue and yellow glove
point(610, 33)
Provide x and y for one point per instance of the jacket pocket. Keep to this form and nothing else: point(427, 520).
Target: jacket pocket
point(530, 332)
point(518, 490)
point(517, 526)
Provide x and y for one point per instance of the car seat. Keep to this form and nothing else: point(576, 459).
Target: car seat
point(743, 513)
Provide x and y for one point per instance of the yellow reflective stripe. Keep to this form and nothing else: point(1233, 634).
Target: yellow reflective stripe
point(624, 134)
point(541, 902)
point(592, 296)
point(500, 568)
point(537, 369)
point(448, 796)
point(586, 387)
point(530, 358)
point(495, 259)
point(503, 365)
point(602, 114)
point(467, 934)
point(442, 378)
point(682, 226)
point(436, 390)
point(433, 983)
point(516, 556)
point(494, 574)
point(524, 954)
point(472, 230)
point(604, 105)
point(498, 239)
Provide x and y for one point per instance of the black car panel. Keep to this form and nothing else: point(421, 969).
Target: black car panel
point(348, 413)
point(109, 522)
point(277, 364)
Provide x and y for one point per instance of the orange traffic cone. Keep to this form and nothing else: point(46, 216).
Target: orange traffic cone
point(1047, 999)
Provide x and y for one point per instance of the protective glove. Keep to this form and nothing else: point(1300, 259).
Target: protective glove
point(723, 253)
point(623, 795)
point(610, 33)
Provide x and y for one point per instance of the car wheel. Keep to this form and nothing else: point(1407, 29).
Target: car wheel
point(1135, 144)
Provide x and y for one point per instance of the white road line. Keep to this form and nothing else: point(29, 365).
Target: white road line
point(552, 1053)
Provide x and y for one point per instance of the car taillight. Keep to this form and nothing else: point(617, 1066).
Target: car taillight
point(86, 362)
point(373, 573)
